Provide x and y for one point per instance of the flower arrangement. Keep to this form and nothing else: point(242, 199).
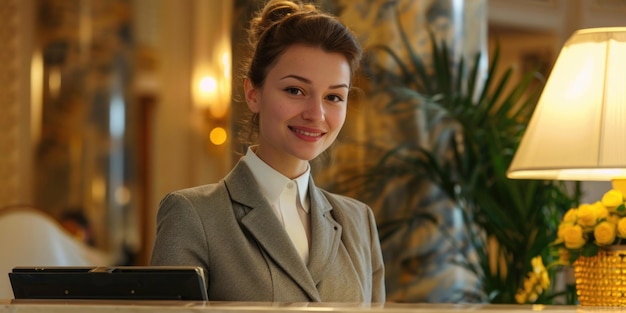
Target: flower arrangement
point(585, 229)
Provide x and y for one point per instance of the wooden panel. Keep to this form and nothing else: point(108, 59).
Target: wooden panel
point(9, 89)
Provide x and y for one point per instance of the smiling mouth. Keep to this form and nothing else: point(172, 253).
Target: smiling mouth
point(305, 133)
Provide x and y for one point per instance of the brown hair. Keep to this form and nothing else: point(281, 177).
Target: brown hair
point(283, 23)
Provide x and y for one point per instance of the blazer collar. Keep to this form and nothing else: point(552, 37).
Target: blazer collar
point(263, 225)
point(273, 181)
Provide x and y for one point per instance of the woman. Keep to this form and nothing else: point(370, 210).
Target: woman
point(266, 232)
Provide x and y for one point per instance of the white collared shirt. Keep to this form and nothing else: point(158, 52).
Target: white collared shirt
point(275, 188)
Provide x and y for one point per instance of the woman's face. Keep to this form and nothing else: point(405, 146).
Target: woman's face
point(301, 106)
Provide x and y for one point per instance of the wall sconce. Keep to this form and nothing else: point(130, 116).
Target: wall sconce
point(212, 63)
point(578, 129)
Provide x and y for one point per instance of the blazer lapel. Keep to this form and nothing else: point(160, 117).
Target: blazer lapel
point(261, 222)
point(325, 234)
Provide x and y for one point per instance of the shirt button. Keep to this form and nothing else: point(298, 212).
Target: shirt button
point(290, 185)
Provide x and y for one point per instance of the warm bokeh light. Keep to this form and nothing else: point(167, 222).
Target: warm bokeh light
point(36, 95)
point(212, 57)
point(212, 92)
point(207, 85)
point(218, 136)
point(122, 195)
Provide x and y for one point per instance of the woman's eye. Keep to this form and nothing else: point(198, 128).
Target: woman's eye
point(334, 98)
point(293, 91)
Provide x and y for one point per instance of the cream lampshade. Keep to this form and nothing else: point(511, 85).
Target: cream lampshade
point(578, 129)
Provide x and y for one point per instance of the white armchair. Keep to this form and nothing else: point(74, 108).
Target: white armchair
point(29, 237)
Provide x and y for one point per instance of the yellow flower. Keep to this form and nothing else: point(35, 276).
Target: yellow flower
point(544, 280)
point(604, 233)
point(601, 211)
point(612, 199)
point(570, 216)
point(613, 218)
point(537, 264)
point(540, 274)
point(587, 216)
point(621, 227)
point(536, 282)
point(559, 233)
point(573, 236)
point(530, 282)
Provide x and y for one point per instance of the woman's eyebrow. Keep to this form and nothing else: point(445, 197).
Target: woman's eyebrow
point(308, 81)
point(339, 86)
point(300, 78)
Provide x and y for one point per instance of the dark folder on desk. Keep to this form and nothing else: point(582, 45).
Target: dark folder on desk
point(114, 283)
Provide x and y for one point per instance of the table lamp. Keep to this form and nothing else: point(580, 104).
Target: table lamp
point(578, 128)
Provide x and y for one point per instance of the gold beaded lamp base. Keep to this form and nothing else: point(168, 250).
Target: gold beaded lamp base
point(601, 279)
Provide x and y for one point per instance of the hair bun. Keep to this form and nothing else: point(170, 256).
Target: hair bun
point(274, 12)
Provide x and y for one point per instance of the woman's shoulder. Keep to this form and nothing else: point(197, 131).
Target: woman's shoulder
point(197, 193)
point(205, 201)
point(199, 190)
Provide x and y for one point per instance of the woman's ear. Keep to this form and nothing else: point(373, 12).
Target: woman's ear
point(252, 95)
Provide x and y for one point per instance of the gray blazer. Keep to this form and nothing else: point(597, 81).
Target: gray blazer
point(230, 230)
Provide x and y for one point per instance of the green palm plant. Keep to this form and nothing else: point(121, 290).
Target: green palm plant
point(474, 127)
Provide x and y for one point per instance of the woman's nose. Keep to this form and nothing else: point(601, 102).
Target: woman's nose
point(314, 109)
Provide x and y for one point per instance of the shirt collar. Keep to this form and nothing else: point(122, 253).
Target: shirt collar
point(272, 183)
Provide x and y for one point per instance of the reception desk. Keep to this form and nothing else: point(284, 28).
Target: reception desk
point(86, 306)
